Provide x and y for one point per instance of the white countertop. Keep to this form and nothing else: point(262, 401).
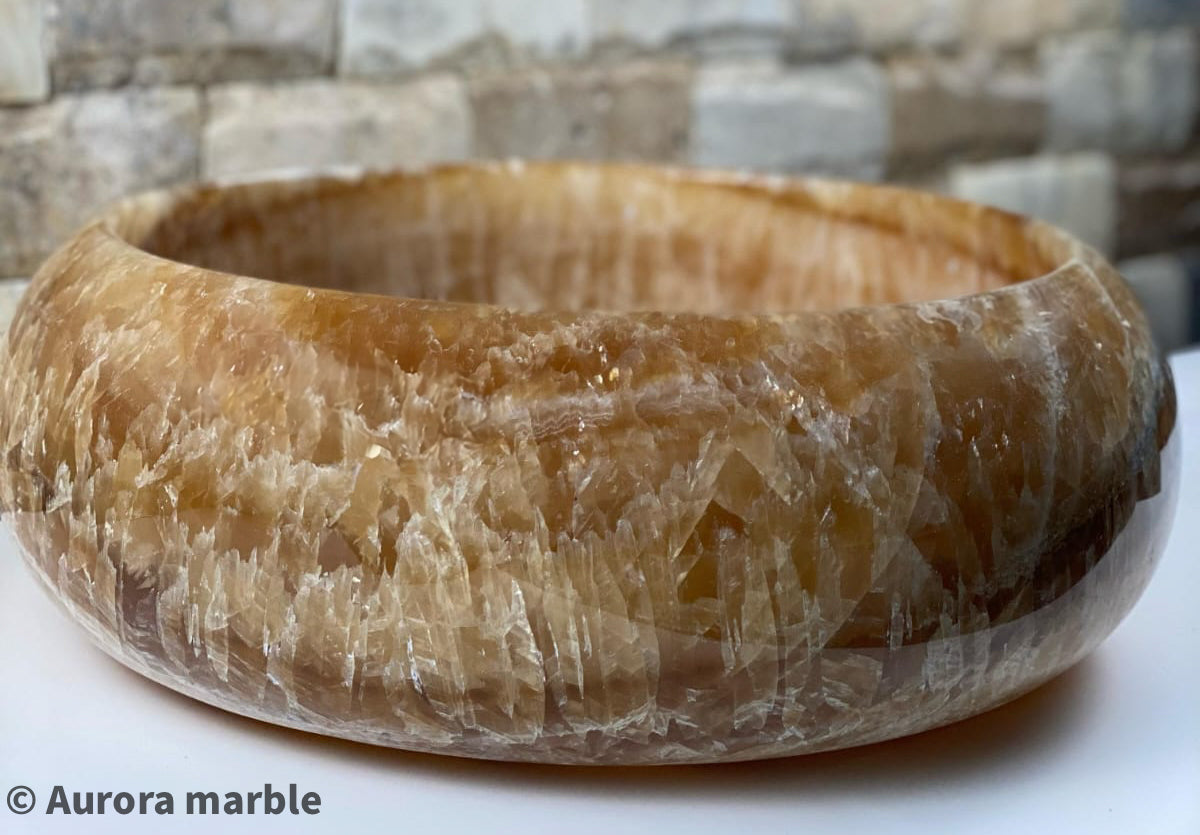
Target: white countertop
point(1111, 747)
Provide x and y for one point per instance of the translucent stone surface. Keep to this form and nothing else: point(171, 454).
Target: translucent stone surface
point(587, 464)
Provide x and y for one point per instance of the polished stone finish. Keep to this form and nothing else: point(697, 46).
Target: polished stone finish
point(587, 464)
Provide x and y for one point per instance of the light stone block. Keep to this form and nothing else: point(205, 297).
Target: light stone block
point(11, 291)
point(324, 124)
point(1076, 192)
point(24, 74)
point(385, 37)
point(828, 119)
point(63, 161)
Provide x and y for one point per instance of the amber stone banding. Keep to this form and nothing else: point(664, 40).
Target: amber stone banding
point(587, 464)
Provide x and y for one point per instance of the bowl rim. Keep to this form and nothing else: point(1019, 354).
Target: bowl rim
point(124, 224)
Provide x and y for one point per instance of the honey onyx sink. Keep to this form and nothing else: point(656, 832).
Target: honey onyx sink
point(586, 464)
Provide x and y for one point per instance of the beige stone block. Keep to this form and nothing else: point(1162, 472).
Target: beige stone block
point(1160, 205)
point(638, 112)
point(968, 106)
point(323, 124)
point(1016, 23)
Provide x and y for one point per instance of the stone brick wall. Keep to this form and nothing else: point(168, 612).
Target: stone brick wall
point(1083, 112)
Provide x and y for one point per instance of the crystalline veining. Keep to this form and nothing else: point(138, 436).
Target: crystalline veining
point(627, 470)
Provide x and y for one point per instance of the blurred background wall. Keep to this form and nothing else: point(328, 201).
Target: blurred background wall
point(1083, 112)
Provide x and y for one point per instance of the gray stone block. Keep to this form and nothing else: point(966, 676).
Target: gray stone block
point(1163, 286)
point(1130, 94)
point(876, 26)
point(99, 43)
point(1162, 12)
point(827, 119)
point(63, 161)
point(388, 37)
point(752, 26)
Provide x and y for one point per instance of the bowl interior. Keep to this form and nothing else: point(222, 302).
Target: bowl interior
point(577, 237)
